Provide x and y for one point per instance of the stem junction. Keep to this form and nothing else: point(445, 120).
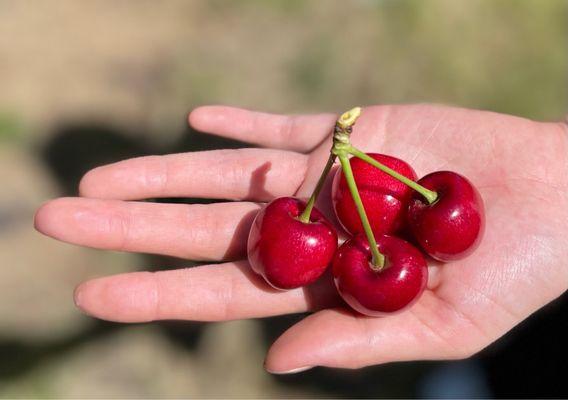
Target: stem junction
point(341, 148)
point(341, 132)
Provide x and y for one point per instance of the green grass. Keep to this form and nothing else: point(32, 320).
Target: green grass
point(11, 127)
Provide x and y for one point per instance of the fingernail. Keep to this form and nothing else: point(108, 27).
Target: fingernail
point(291, 371)
point(77, 299)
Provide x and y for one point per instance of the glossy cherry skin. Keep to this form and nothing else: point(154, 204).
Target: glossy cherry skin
point(379, 293)
point(385, 199)
point(289, 253)
point(452, 227)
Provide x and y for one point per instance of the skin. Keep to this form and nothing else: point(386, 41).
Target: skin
point(519, 166)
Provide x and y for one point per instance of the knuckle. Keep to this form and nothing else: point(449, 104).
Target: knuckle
point(287, 129)
point(118, 229)
point(156, 174)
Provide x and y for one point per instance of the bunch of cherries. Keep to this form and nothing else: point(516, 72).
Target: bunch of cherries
point(375, 197)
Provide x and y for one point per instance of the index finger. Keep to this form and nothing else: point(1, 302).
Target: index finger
point(290, 132)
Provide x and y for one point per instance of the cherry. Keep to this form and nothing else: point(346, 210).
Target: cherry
point(287, 252)
point(378, 292)
point(451, 227)
point(385, 198)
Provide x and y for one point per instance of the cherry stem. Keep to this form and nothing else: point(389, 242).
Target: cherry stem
point(378, 259)
point(340, 134)
point(429, 195)
point(341, 148)
point(305, 216)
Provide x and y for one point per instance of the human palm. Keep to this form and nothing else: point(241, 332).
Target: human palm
point(519, 166)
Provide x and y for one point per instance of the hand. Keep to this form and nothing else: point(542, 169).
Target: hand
point(519, 166)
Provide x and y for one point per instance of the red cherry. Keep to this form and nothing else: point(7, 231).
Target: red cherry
point(287, 252)
point(451, 227)
point(377, 293)
point(385, 198)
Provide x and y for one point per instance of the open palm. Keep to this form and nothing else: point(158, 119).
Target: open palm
point(519, 166)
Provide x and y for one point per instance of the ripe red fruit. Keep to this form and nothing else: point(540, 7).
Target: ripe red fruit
point(378, 293)
point(451, 227)
point(385, 198)
point(287, 252)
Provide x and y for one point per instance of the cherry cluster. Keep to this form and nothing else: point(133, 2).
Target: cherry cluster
point(378, 201)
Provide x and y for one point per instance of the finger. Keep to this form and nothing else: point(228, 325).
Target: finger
point(207, 293)
point(243, 174)
point(197, 231)
point(340, 338)
point(298, 132)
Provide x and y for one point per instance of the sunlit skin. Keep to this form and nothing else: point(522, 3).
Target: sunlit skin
point(520, 167)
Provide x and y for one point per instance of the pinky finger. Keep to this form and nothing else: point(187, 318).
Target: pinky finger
point(207, 293)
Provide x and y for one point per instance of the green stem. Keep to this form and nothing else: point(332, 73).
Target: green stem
point(305, 216)
point(430, 195)
point(378, 258)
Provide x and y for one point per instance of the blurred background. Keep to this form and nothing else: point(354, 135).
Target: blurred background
point(90, 82)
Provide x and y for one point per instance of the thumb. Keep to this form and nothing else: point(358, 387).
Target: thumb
point(341, 338)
